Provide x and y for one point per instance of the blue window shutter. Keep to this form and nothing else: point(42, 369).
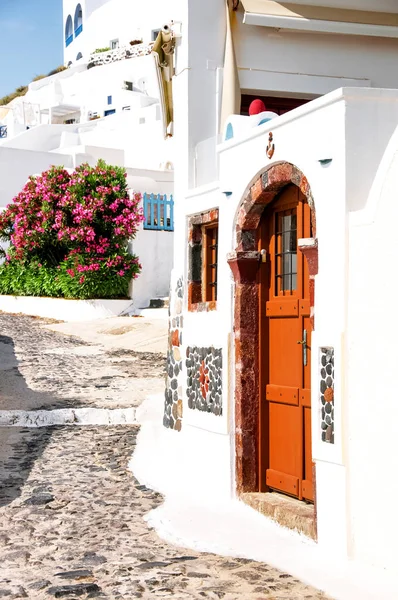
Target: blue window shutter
point(109, 99)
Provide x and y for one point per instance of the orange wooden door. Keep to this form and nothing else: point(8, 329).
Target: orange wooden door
point(285, 348)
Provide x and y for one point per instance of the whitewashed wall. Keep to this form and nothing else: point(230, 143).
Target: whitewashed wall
point(16, 166)
point(371, 339)
point(348, 307)
point(155, 251)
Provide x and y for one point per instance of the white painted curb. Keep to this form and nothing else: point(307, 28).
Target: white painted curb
point(62, 309)
point(68, 416)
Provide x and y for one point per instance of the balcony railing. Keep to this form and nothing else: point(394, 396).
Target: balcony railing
point(103, 58)
point(3, 131)
point(69, 40)
point(158, 212)
point(78, 30)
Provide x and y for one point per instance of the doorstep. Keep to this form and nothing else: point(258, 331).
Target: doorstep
point(288, 512)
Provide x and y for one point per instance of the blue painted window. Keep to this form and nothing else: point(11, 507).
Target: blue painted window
point(78, 20)
point(229, 134)
point(264, 121)
point(109, 99)
point(158, 212)
point(79, 56)
point(68, 31)
point(109, 112)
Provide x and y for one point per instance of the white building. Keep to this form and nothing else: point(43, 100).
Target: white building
point(113, 105)
point(90, 25)
point(281, 357)
point(280, 386)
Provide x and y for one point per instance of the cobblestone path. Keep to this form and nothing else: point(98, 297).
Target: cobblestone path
point(71, 514)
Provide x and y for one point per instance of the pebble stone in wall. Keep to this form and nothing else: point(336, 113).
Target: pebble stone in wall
point(204, 379)
point(326, 391)
point(172, 418)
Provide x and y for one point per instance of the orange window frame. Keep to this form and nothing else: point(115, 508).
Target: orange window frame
point(210, 262)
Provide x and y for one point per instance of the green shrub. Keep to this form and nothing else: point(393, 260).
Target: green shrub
point(69, 233)
point(99, 50)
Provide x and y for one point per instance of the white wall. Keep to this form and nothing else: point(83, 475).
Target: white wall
point(372, 331)
point(16, 166)
point(155, 252)
point(79, 42)
point(352, 312)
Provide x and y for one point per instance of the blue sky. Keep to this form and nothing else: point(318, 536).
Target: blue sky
point(31, 41)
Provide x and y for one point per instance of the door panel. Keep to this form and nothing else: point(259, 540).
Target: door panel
point(285, 439)
point(284, 352)
point(285, 348)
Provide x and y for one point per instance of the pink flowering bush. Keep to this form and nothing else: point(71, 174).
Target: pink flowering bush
point(69, 234)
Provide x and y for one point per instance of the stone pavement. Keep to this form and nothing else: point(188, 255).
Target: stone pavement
point(71, 513)
point(44, 369)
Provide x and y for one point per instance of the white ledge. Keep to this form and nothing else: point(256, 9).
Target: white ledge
point(307, 242)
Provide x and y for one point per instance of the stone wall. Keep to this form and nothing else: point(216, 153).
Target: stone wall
point(173, 392)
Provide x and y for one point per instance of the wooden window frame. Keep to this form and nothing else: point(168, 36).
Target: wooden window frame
point(202, 293)
point(210, 262)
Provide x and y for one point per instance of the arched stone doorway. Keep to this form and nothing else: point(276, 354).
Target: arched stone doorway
point(245, 262)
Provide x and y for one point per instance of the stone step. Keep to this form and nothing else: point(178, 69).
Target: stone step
point(286, 511)
point(159, 302)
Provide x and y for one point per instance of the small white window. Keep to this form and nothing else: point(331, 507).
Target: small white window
point(114, 44)
point(128, 85)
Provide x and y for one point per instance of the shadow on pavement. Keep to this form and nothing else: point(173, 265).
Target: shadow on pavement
point(19, 447)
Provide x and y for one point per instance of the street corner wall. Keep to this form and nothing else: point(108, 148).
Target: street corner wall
point(155, 252)
point(371, 369)
point(173, 395)
point(196, 406)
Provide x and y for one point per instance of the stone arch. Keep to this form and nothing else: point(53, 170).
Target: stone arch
point(244, 263)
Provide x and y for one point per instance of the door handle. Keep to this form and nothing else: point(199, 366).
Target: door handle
point(303, 342)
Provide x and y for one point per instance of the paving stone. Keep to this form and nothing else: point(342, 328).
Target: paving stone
point(91, 540)
point(79, 574)
point(81, 589)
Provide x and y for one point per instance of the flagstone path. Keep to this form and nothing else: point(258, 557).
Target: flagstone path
point(71, 513)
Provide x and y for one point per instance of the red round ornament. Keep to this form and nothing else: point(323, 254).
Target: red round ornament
point(256, 107)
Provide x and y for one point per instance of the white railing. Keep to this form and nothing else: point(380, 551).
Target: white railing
point(103, 58)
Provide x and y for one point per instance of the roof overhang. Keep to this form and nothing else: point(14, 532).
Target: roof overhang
point(319, 19)
point(60, 110)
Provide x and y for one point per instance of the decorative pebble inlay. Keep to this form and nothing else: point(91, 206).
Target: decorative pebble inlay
point(204, 379)
point(326, 390)
point(173, 393)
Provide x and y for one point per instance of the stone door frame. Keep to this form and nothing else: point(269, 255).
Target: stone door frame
point(244, 263)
